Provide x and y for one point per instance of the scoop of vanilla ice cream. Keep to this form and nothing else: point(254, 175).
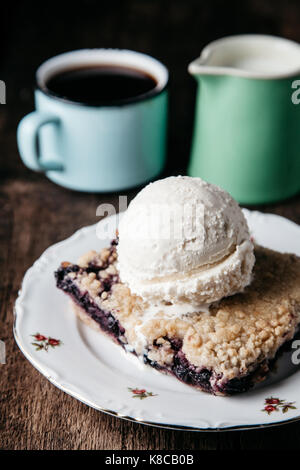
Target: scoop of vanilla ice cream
point(183, 241)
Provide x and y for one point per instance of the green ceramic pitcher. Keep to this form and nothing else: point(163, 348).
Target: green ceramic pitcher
point(247, 124)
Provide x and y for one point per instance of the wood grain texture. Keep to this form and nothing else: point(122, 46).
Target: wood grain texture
point(34, 213)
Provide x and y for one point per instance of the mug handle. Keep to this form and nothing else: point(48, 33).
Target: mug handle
point(27, 135)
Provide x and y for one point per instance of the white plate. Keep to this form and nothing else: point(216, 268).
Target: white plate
point(97, 372)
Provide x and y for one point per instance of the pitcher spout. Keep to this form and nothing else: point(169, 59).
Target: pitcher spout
point(200, 66)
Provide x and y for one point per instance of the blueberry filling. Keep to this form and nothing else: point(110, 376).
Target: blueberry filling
point(106, 320)
point(189, 374)
point(63, 271)
point(204, 378)
point(237, 385)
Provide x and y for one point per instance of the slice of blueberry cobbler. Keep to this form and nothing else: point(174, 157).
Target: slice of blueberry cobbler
point(223, 351)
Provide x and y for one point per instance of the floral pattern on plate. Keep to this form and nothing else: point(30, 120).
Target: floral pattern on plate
point(141, 393)
point(275, 404)
point(45, 342)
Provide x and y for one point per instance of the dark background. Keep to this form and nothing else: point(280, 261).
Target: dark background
point(35, 213)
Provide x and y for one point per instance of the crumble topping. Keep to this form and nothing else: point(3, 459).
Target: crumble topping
point(85, 259)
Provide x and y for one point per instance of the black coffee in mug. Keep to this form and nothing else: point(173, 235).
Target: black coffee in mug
point(101, 84)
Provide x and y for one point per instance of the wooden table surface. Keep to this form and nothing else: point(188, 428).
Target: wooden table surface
point(35, 213)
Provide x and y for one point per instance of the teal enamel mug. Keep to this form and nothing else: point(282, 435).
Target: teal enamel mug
point(247, 124)
point(97, 148)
